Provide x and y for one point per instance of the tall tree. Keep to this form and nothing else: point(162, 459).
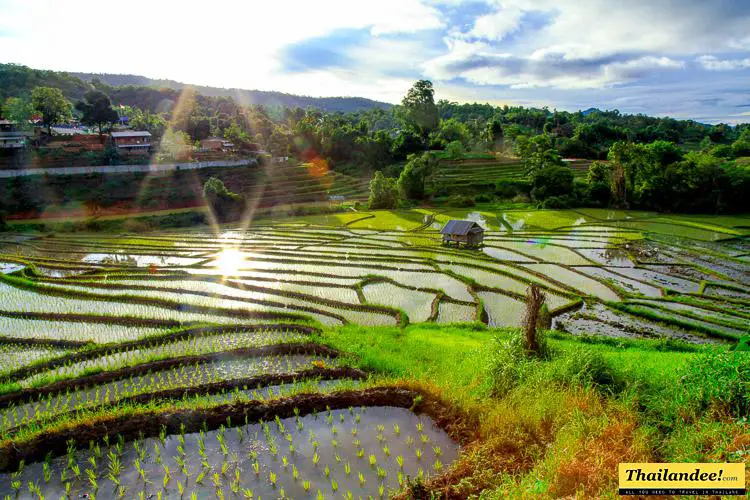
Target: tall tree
point(97, 110)
point(420, 112)
point(52, 105)
point(411, 182)
point(383, 192)
point(19, 111)
point(537, 153)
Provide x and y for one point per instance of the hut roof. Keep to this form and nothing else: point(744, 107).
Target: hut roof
point(461, 227)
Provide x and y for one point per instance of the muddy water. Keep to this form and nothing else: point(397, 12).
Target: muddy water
point(182, 376)
point(193, 345)
point(597, 319)
point(334, 453)
point(628, 284)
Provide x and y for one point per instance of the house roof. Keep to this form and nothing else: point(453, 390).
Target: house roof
point(131, 133)
point(460, 227)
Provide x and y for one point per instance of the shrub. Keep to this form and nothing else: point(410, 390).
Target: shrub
point(460, 201)
point(508, 363)
point(718, 380)
point(383, 192)
point(556, 202)
point(222, 201)
point(507, 188)
point(455, 150)
point(482, 198)
point(581, 367)
point(599, 194)
point(552, 181)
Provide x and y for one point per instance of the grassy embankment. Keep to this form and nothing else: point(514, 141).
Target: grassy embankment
point(560, 426)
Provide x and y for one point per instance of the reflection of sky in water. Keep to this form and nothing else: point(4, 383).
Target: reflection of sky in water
point(579, 221)
point(478, 218)
point(10, 267)
point(517, 225)
point(137, 260)
point(542, 241)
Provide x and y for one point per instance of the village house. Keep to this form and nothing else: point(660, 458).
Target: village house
point(216, 144)
point(9, 138)
point(464, 232)
point(131, 140)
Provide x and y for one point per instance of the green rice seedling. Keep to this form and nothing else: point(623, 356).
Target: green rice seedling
point(438, 466)
point(400, 461)
point(272, 478)
point(381, 472)
point(438, 452)
point(362, 480)
point(201, 476)
point(347, 468)
point(373, 460)
point(306, 485)
point(396, 429)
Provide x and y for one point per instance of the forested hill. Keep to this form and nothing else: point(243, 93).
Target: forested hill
point(16, 80)
point(245, 97)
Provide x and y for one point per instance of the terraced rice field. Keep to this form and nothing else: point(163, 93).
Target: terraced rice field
point(456, 173)
point(189, 363)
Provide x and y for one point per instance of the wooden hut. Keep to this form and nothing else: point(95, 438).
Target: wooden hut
point(463, 231)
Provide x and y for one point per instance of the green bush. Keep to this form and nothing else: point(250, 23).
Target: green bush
point(717, 380)
point(460, 201)
point(508, 188)
point(556, 202)
point(509, 366)
point(508, 363)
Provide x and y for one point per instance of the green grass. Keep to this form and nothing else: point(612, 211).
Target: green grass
point(448, 356)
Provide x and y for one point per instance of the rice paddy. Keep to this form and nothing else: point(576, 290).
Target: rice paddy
point(200, 351)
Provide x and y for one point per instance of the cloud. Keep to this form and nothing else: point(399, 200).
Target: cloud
point(568, 67)
point(497, 25)
point(713, 63)
point(650, 56)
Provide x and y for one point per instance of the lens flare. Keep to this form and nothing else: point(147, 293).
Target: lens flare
point(229, 261)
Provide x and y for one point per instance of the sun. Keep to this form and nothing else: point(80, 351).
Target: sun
point(228, 261)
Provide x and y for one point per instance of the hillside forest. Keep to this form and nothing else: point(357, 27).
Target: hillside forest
point(638, 161)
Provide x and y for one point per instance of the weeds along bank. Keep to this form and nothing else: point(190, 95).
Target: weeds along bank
point(351, 354)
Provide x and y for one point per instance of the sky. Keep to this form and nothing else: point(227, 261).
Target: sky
point(679, 58)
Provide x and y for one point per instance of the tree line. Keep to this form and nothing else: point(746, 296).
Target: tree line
point(648, 162)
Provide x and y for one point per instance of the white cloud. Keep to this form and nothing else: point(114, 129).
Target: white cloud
point(713, 63)
point(562, 66)
point(497, 25)
point(227, 43)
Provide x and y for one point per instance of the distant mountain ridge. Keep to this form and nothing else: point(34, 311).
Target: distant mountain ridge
point(244, 97)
